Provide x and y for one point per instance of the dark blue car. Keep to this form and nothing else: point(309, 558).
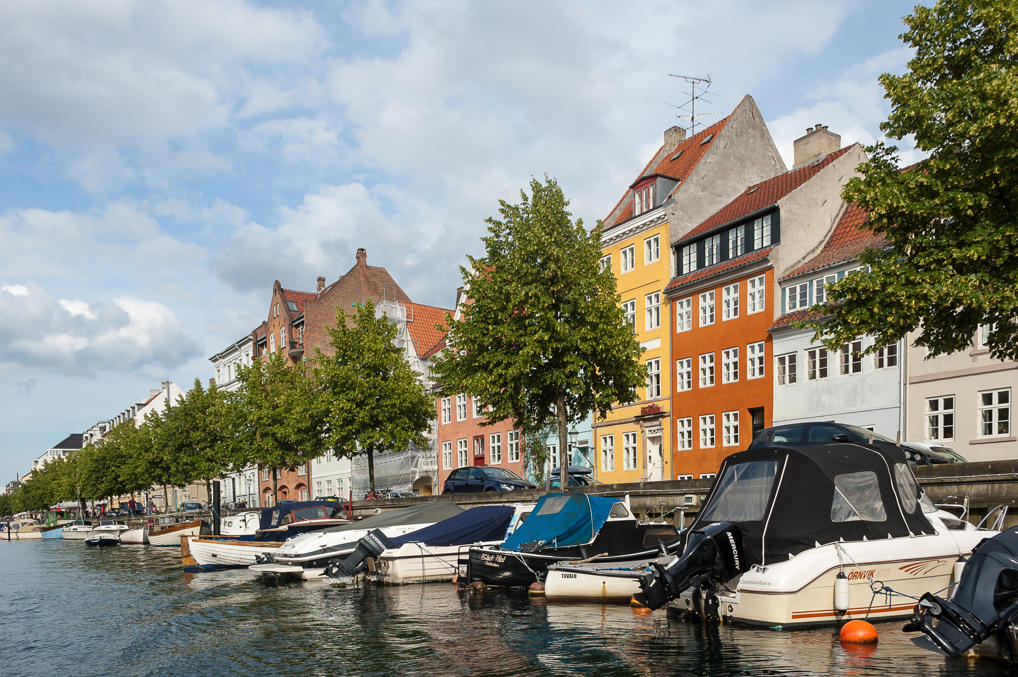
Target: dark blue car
point(483, 478)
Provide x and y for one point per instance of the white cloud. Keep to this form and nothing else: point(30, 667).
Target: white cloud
point(15, 289)
point(305, 140)
point(77, 307)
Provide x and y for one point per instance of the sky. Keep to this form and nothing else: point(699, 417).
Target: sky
point(163, 162)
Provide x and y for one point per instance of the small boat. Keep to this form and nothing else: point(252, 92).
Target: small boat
point(167, 536)
point(109, 527)
point(567, 527)
point(811, 535)
point(430, 554)
point(276, 524)
point(137, 536)
point(307, 555)
point(52, 531)
point(78, 530)
point(22, 530)
point(102, 539)
point(242, 526)
point(597, 581)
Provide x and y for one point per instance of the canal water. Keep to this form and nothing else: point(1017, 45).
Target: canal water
point(70, 610)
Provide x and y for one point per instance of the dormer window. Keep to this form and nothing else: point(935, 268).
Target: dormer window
point(643, 198)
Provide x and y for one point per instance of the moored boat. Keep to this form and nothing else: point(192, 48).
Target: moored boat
point(597, 581)
point(137, 536)
point(167, 536)
point(53, 531)
point(78, 530)
point(102, 539)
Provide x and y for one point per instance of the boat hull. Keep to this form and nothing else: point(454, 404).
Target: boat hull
point(210, 554)
point(135, 536)
point(418, 563)
point(171, 536)
point(54, 532)
point(594, 582)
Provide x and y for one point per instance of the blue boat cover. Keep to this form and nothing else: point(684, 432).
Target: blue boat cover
point(483, 523)
point(560, 521)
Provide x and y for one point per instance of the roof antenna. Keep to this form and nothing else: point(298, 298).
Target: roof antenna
point(690, 105)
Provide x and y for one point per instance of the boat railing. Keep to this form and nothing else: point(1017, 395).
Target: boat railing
point(1000, 515)
point(963, 507)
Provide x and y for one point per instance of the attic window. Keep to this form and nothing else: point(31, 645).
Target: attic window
point(292, 305)
point(707, 139)
point(643, 198)
point(677, 155)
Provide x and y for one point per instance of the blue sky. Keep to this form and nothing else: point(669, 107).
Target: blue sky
point(161, 163)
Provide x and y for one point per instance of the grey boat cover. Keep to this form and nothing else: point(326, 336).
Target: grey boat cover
point(414, 514)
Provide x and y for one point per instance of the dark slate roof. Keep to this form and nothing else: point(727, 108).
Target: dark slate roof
point(72, 441)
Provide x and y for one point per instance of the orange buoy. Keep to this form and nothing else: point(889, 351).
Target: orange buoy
point(858, 632)
point(536, 589)
point(455, 579)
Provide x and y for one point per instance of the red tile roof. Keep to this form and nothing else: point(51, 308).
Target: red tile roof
point(723, 267)
point(298, 297)
point(787, 319)
point(421, 321)
point(849, 239)
point(762, 195)
point(673, 165)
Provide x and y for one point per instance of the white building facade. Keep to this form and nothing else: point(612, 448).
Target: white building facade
point(242, 485)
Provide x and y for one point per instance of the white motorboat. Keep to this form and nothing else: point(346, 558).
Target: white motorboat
point(242, 525)
point(78, 530)
point(22, 530)
point(135, 536)
point(306, 556)
point(108, 527)
point(596, 581)
point(102, 539)
point(802, 536)
point(170, 535)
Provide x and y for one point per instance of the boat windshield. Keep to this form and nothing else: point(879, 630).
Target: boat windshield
point(742, 493)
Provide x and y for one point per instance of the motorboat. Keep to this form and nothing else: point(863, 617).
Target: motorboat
point(169, 535)
point(278, 523)
point(811, 535)
point(307, 555)
point(27, 530)
point(109, 527)
point(242, 526)
point(596, 581)
point(137, 536)
point(430, 554)
point(77, 530)
point(571, 527)
point(53, 531)
point(102, 539)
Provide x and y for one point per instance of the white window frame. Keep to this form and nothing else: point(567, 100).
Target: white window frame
point(797, 296)
point(786, 367)
point(605, 262)
point(462, 452)
point(706, 379)
point(684, 433)
point(461, 407)
point(513, 444)
point(712, 250)
point(652, 249)
point(495, 448)
point(994, 414)
point(302, 469)
point(730, 429)
point(755, 363)
point(756, 294)
point(689, 258)
point(850, 358)
point(447, 455)
point(820, 287)
point(730, 365)
point(708, 438)
point(736, 242)
point(886, 356)
point(654, 378)
point(446, 410)
point(684, 374)
point(629, 312)
point(652, 311)
point(939, 427)
point(630, 457)
point(627, 259)
point(762, 232)
point(730, 302)
point(684, 314)
point(607, 453)
point(706, 308)
point(817, 366)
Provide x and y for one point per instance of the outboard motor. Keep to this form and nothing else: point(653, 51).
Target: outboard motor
point(371, 545)
point(714, 551)
point(985, 603)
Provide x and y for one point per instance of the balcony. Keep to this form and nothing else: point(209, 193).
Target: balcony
point(296, 349)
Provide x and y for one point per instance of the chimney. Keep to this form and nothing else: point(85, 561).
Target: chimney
point(674, 136)
point(816, 143)
point(362, 256)
point(321, 283)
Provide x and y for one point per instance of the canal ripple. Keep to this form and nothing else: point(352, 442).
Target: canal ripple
point(69, 610)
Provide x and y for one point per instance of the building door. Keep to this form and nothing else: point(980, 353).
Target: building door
point(757, 417)
point(478, 449)
point(655, 464)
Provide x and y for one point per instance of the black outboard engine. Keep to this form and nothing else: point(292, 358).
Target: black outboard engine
point(371, 545)
point(985, 603)
point(714, 552)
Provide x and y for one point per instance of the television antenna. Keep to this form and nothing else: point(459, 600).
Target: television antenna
point(688, 109)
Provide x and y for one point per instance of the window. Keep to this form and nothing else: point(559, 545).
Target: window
point(786, 369)
point(857, 498)
point(607, 453)
point(629, 451)
point(707, 308)
point(606, 262)
point(302, 470)
point(446, 410)
point(684, 434)
point(653, 312)
point(851, 357)
point(736, 242)
point(755, 289)
point(478, 446)
point(447, 455)
point(683, 477)
point(887, 356)
point(762, 232)
point(816, 363)
point(265, 474)
point(983, 334)
point(272, 343)
point(654, 378)
point(684, 374)
point(628, 259)
point(708, 475)
point(707, 431)
point(495, 448)
point(513, 439)
point(279, 473)
point(302, 494)
point(729, 365)
point(730, 302)
point(689, 258)
point(797, 296)
point(684, 314)
point(940, 418)
point(461, 453)
point(652, 249)
point(706, 370)
point(629, 313)
point(282, 338)
point(755, 360)
point(730, 429)
point(477, 406)
point(643, 198)
point(712, 250)
point(820, 287)
point(995, 412)
point(461, 407)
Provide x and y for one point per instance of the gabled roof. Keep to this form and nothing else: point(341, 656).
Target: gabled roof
point(723, 267)
point(675, 164)
point(72, 441)
point(761, 195)
point(298, 297)
point(849, 239)
point(421, 321)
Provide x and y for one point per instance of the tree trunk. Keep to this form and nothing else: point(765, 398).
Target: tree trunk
point(310, 495)
point(208, 490)
point(563, 436)
point(166, 498)
point(371, 470)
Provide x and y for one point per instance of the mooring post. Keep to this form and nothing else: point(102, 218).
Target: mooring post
point(216, 506)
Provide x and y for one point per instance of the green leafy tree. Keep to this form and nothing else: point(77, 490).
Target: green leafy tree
point(951, 263)
point(278, 416)
point(372, 400)
point(544, 334)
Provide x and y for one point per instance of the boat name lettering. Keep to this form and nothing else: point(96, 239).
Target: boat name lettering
point(492, 558)
point(859, 575)
point(568, 575)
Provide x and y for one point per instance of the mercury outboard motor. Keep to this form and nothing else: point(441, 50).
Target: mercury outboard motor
point(985, 603)
point(371, 545)
point(714, 551)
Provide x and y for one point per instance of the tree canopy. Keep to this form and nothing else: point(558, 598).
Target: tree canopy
point(542, 337)
point(951, 263)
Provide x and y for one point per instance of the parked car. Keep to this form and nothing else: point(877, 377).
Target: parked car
point(191, 506)
point(819, 432)
point(921, 453)
point(483, 478)
point(578, 476)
